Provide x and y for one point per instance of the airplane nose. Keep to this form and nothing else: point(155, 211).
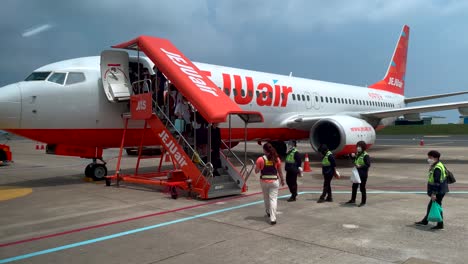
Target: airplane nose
point(10, 106)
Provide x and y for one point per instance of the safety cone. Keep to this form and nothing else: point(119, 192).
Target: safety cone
point(306, 163)
point(421, 142)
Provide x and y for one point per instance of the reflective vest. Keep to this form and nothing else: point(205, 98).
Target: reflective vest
point(269, 171)
point(290, 156)
point(359, 161)
point(443, 174)
point(325, 161)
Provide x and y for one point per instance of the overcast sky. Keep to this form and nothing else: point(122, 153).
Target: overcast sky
point(339, 41)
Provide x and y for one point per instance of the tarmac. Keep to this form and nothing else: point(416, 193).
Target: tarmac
point(49, 214)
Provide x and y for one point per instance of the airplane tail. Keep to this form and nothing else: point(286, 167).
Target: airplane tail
point(394, 80)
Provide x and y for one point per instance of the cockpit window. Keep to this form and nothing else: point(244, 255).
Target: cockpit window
point(57, 77)
point(38, 76)
point(75, 77)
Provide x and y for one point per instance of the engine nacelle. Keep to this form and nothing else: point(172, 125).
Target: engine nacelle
point(341, 133)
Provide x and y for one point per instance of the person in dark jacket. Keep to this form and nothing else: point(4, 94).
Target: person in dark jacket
point(362, 163)
point(437, 185)
point(328, 171)
point(293, 169)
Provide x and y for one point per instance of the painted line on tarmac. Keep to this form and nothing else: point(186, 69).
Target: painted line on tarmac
point(180, 220)
point(12, 192)
point(123, 220)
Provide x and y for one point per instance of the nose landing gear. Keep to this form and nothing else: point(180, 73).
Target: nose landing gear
point(96, 171)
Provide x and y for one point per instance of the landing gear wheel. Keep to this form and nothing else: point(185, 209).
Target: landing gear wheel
point(174, 193)
point(89, 170)
point(99, 172)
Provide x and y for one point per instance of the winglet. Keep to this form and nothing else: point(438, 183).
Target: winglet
point(394, 80)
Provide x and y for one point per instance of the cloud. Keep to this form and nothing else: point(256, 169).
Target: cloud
point(36, 30)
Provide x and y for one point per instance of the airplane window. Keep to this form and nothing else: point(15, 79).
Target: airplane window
point(282, 96)
point(316, 98)
point(321, 98)
point(353, 101)
point(250, 93)
point(308, 98)
point(294, 97)
point(57, 77)
point(270, 94)
point(226, 91)
point(37, 76)
point(334, 99)
point(298, 97)
point(75, 77)
point(303, 98)
point(326, 99)
point(257, 93)
point(264, 94)
point(242, 92)
point(234, 91)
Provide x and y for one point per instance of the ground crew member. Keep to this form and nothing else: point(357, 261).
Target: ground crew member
point(269, 166)
point(328, 171)
point(437, 185)
point(362, 163)
point(293, 169)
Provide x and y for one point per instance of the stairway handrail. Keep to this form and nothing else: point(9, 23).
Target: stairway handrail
point(250, 171)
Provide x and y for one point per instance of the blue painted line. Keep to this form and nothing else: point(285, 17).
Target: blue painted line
point(99, 239)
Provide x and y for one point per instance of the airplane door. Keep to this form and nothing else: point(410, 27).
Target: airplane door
point(309, 100)
point(317, 101)
point(114, 75)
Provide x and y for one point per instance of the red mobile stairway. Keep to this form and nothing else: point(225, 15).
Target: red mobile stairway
point(189, 172)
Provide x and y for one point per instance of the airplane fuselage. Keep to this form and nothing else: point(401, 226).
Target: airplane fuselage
point(80, 114)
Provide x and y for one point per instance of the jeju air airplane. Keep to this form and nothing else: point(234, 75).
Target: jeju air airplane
point(75, 106)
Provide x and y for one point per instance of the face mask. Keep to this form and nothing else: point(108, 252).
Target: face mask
point(430, 161)
point(359, 149)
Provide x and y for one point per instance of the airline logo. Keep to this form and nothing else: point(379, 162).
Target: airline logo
point(141, 106)
point(190, 72)
point(171, 146)
point(395, 82)
point(245, 91)
point(361, 129)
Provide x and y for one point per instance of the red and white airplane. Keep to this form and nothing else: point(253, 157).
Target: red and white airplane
point(76, 106)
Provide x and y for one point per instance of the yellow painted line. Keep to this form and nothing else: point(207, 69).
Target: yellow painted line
point(12, 192)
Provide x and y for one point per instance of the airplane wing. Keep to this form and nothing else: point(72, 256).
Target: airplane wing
point(430, 97)
point(302, 121)
point(462, 106)
point(212, 103)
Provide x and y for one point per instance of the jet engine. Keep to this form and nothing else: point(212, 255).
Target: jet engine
point(341, 133)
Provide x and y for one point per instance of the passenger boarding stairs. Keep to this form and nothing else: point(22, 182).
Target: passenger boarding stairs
point(191, 172)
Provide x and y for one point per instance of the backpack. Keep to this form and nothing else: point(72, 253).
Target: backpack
point(450, 178)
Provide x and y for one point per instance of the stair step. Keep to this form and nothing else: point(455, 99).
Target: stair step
point(223, 186)
point(224, 192)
